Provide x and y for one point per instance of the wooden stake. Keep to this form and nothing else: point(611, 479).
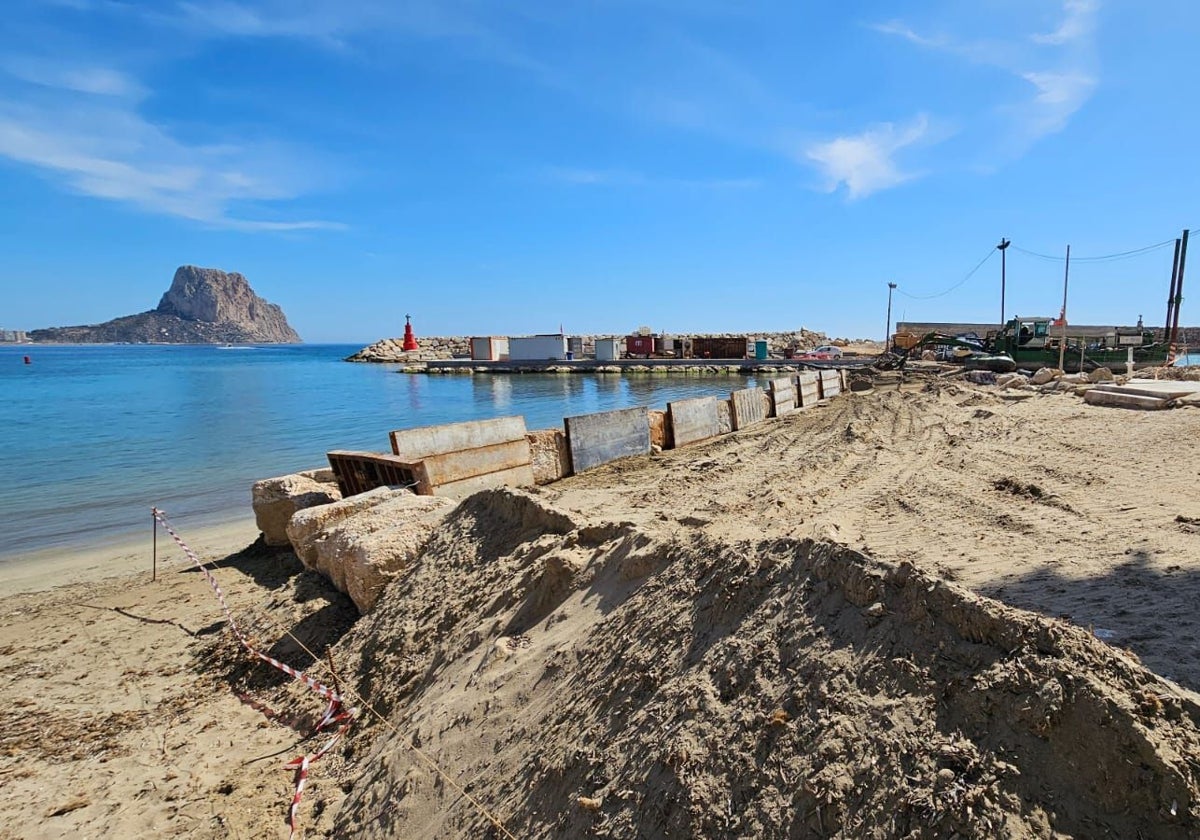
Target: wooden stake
point(154, 542)
point(1062, 345)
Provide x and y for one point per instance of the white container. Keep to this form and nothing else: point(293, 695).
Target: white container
point(489, 348)
point(608, 349)
point(537, 348)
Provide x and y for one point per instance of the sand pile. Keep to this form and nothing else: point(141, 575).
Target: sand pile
point(590, 679)
point(780, 632)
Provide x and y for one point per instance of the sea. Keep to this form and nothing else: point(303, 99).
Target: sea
point(92, 437)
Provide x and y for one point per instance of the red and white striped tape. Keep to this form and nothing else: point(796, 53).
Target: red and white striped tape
point(335, 712)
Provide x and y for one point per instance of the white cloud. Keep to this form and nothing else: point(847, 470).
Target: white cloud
point(865, 162)
point(1078, 23)
point(110, 152)
point(98, 81)
point(1060, 65)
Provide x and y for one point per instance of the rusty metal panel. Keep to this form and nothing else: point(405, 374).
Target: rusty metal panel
point(694, 420)
point(831, 384)
point(808, 388)
point(450, 467)
point(358, 472)
point(596, 439)
point(419, 443)
point(748, 407)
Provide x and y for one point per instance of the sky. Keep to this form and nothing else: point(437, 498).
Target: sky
point(517, 167)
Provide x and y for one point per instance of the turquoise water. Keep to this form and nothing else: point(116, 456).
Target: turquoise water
point(93, 437)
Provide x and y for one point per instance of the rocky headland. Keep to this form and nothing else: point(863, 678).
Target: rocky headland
point(203, 306)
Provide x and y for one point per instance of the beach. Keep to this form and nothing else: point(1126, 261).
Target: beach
point(553, 634)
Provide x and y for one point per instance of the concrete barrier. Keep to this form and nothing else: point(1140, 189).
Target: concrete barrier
point(748, 407)
point(808, 388)
point(831, 384)
point(783, 396)
point(596, 439)
point(694, 420)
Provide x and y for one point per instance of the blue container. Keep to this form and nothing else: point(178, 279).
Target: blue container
point(760, 350)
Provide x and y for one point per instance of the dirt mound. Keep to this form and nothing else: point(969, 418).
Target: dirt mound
point(596, 679)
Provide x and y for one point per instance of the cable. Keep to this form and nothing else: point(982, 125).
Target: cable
point(1102, 258)
point(978, 266)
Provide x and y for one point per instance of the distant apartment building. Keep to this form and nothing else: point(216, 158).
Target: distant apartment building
point(13, 336)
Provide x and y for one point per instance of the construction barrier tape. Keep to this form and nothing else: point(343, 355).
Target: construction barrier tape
point(336, 712)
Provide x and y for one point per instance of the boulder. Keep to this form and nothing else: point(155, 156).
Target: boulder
point(361, 543)
point(275, 500)
point(1043, 375)
point(1012, 380)
point(1101, 374)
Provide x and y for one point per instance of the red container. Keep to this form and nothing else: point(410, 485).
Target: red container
point(639, 345)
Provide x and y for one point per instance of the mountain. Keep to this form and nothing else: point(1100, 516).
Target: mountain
point(203, 306)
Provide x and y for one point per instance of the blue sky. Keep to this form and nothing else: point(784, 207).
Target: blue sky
point(509, 167)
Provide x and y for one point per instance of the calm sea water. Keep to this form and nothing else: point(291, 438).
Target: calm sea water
point(93, 437)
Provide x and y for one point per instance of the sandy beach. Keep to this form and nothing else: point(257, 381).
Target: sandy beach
point(609, 655)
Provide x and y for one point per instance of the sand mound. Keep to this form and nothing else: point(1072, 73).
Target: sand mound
point(594, 679)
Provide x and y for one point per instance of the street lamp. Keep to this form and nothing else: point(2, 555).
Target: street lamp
point(1003, 246)
point(887, 331)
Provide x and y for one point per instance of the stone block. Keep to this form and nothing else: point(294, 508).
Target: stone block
point(362, 543)
point(275, 500)
point(551, 458)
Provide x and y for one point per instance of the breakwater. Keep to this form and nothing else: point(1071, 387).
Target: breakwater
point(443, 348)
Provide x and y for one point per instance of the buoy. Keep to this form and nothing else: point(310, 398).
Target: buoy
point(410, 340)
point(27, 361)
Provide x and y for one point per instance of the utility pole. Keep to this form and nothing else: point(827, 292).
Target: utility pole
point(1062, 342)
point(887, 333)
point(1179, 290)
point(1171, 297)
point(1003, 246)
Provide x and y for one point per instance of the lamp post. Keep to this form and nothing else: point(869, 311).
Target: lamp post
point(887, 332)
point(1003, 246)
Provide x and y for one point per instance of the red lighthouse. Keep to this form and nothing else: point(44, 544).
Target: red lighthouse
point(410, 340)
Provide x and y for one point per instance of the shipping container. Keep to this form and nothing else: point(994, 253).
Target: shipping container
point(491, 348)
point(537, 348)
point(719, 348)
point(639, 345)
point(664, 345)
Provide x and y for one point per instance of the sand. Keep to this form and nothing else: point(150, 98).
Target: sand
point(907, 613)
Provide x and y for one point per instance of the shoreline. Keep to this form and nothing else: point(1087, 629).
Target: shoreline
point(62, 565)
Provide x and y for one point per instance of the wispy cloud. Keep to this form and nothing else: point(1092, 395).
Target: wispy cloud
point(1060, 65)
point(1078, 23)
point(107, 150)
point(865, 162)
point(97, 80)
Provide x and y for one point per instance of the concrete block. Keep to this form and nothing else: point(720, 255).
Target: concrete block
point(551, 457)
point(695, 419)
point(1112, 398)
point(748, 407)
point(596, 439)
point(416, 444)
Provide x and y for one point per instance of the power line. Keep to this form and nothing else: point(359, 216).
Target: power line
point(1120, 255)
point(979, 265)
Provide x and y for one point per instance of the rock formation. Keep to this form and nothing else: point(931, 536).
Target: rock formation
point(203, 306)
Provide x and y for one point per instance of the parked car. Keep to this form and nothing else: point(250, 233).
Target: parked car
point(827, 351)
